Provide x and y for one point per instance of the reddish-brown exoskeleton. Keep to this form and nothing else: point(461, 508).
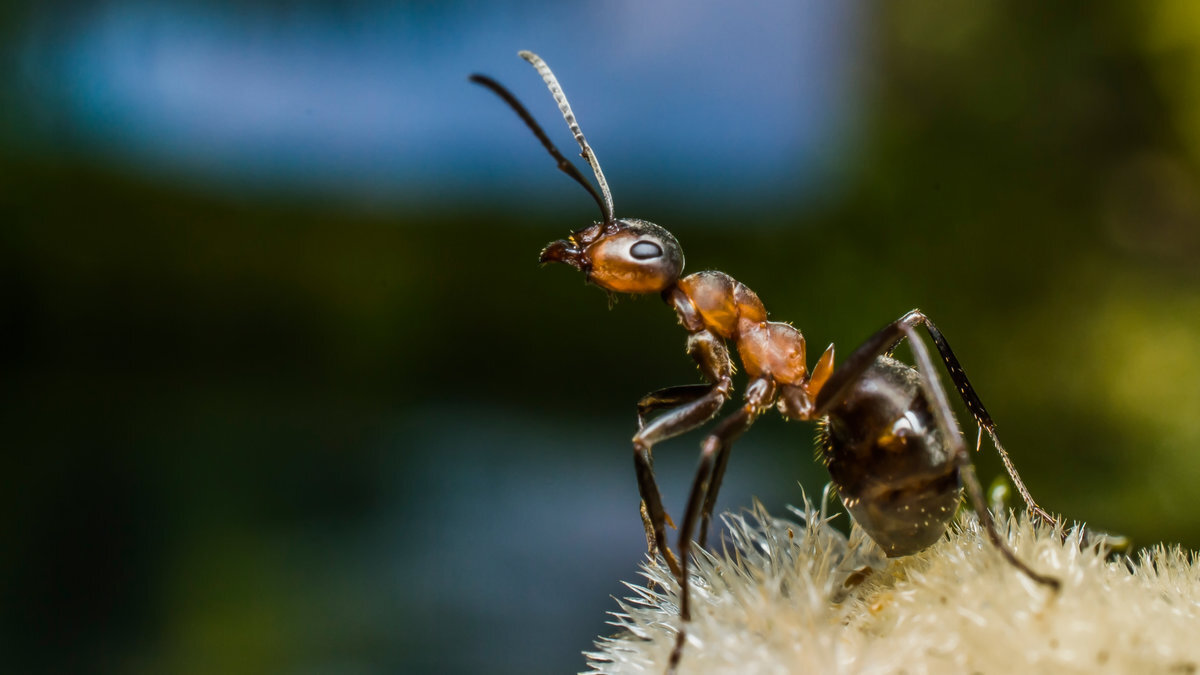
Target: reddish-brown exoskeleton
point(886, 430)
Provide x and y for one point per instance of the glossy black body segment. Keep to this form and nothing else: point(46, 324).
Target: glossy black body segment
point(892, 467)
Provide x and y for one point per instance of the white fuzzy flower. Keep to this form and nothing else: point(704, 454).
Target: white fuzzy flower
point(799, 597)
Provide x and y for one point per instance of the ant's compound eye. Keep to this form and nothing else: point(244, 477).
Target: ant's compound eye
point(636, 257)
point(645, 250)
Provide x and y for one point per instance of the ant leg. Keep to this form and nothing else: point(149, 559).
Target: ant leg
point(945, 419)
point(710, 497)
point(847, 374)
point(975, 407)
point(672, 423)
point(669, 397)
point(693, 405)
point(759, 395)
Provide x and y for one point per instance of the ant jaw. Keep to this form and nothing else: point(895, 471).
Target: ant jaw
point(573, 249)
point(565, 251)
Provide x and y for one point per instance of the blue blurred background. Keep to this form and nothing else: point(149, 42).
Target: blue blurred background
point(276, 341)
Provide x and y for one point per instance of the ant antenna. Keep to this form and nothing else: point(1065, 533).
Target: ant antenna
point(561, 99)
point(564, 164)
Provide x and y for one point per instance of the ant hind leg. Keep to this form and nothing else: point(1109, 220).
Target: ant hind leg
point(936, 395)
point(975, 407)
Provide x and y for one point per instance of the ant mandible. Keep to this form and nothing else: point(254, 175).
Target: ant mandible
point(886, 430)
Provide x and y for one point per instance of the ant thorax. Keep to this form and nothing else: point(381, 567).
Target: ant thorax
point(730, 309)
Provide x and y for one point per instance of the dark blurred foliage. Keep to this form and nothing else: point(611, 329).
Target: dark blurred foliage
point(279, 432)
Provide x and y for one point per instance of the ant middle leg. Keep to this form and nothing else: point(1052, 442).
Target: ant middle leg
point(687, 407)
point(714, 453)
point(710, 495)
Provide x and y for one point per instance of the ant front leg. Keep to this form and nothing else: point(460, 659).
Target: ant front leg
point(669, 397)
point(884, 342)
point(688, 407)
point(675, 396)
point(714, 453)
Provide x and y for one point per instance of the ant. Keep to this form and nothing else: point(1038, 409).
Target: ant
point(886, 431)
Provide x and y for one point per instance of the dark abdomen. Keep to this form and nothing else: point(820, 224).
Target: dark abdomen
point(888, 461)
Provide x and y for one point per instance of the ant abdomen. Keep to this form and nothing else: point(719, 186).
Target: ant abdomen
point(888, 459)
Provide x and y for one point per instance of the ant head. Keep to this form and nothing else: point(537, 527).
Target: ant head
point(620, 256)
point(628, 256)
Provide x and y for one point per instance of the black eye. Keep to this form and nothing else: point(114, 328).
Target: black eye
point(644, 250)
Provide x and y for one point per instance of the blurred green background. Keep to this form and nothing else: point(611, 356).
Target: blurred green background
point(276, 390)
